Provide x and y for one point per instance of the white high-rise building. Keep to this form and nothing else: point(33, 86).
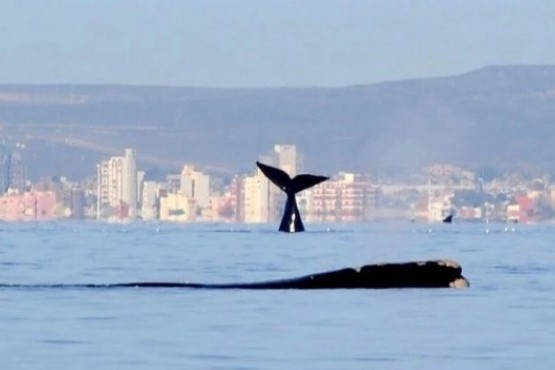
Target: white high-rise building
point(129, 181)
point(117, 186)
point(148, 201)
point(195, 186)
point(140, 184)
point(256, 198)
point(110, 182)
point(287, 158)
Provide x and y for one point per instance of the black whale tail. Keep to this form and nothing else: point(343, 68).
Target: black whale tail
point(291, 220)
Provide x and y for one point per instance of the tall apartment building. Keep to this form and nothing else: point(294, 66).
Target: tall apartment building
point(149, 201)
point(347, 198)
point(76, 203)
point(256, 199)
point(12, 173)
point(237, 197)
point(288, 159)
point(195, 185)
point(129, 181)
point(117, 186)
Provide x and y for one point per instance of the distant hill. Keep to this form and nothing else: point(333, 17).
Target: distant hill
point(502, 116)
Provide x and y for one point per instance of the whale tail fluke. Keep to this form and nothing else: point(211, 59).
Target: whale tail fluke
point(291, 221)
point(302, 182)
point(290, 185)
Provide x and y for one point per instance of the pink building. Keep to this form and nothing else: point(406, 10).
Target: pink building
point(521, 209)
point(346, 198)
point(29, 206)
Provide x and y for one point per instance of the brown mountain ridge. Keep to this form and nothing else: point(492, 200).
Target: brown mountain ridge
point(500, 115)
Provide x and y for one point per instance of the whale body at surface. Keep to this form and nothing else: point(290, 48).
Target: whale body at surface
point(425, 274)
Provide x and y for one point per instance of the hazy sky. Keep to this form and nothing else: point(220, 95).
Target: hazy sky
point(238, 43)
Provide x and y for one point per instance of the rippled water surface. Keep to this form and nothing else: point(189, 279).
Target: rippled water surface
point(505, 320)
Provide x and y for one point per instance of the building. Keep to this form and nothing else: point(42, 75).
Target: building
point(236, 199)
point(117, 186)
point(520, 209)
point(129, 181)
point(149, 201)
point(75, 203)
point(195, 185)
point(222, 207)
point(287, 158)
point(28, 206)
point(348, 197)
point(256, 200)
point(12, 173)
point(140, 187)
point(176, 207)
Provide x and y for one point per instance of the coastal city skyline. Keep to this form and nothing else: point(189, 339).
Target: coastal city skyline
point(120, 192)
point(392, 91)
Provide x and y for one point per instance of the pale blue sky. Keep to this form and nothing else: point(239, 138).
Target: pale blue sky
point(259, 43)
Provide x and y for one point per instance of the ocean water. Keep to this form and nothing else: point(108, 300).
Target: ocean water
point(505, 320)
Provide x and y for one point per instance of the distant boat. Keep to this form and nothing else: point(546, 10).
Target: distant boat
point(448, 219)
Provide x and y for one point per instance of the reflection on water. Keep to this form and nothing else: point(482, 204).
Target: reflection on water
point(505, 320)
